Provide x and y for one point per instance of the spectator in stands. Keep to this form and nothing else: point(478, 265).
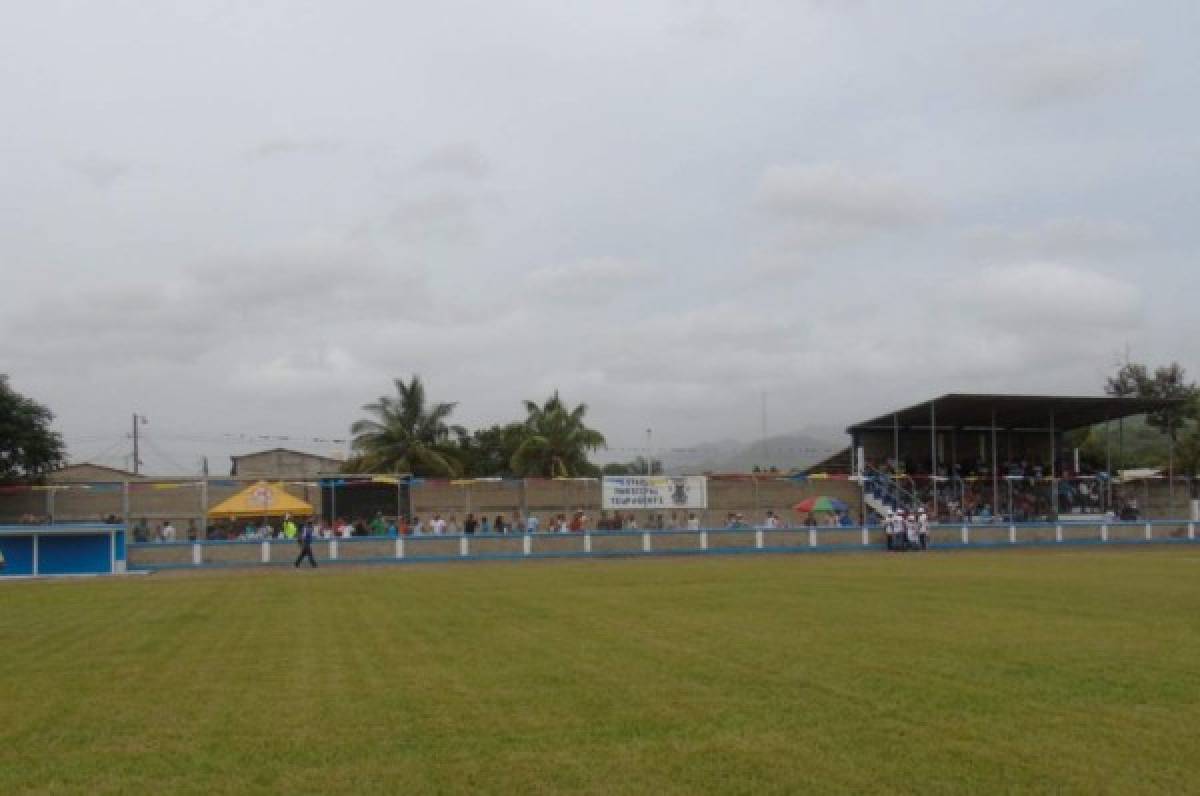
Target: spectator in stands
point(923, 529)
point(378, 525)
point(392, 530)
point(470, 524)
point(438, 526)
point(167, 532)
point(498, 526)
point(289, 527)
point(485, 527)
point(139, 531)
point(693, 523)
point(771, 523)
point(452, 526)
point(531, 524)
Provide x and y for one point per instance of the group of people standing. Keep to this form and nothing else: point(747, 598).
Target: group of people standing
point(907, 530)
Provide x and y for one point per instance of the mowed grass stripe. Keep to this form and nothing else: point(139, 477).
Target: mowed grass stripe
point(1014, 670)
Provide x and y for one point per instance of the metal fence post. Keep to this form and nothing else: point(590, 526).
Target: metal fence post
point(704, 540)
point(1012, 534)
point(758, 539)
point(464, 548)
point(812, 537)
point(399, 547)
point(1104, 533)
point(966, 535)
point(1058, 534)
point(1149, 532)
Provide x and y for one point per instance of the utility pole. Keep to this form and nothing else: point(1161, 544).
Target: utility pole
point(136, 461)
point(649, 452)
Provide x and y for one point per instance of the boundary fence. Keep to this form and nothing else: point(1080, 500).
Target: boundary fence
point(602, 544)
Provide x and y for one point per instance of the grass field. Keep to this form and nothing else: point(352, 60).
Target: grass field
point(1058, 671)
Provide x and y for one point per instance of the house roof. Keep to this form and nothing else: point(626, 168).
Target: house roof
point(1014, 412)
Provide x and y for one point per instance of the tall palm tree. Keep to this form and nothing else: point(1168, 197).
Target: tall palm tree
point(557, 442)
point(404, 435)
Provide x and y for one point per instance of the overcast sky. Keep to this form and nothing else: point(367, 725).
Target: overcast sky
point(246, 218)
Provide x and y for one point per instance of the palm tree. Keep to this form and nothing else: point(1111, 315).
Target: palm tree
point(557, 442)
point(405, 436)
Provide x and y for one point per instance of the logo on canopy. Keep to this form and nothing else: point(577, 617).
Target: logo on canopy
point(262, 496)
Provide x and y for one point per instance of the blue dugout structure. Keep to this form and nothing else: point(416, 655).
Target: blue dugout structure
point(63, 549)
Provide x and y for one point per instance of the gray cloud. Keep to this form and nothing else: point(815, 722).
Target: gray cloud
point(1058, 238)
point(285, 146)
point(101, 172)
point(456, 160)
point(830, 202)
point(1048, 73)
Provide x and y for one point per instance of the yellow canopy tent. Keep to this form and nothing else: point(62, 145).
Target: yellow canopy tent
point(261, 500)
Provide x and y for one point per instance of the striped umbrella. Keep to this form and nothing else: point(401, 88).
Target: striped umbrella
point(820, 503)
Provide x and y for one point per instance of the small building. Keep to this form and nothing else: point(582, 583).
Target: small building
point(283, 462)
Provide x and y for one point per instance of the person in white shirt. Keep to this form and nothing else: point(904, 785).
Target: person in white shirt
point(897, 530)
point(693, 522)
point(772, 522)
point(168, 532)
point(923, 529)
point(438, 525)
point(910, 531)
point(417, 527)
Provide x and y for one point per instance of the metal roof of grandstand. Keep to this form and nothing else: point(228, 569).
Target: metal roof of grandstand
point(1015, 412)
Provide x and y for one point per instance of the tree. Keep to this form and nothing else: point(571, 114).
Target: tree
point(28, 448)
point(557, 441)
point(488, 452)
point(405, 436)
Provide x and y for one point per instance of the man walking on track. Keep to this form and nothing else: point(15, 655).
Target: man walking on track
point(306, 537)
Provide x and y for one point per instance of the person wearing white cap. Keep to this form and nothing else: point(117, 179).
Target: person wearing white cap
point(889, 529)
point(898, 530)
point(923, 528)
point(910, 531)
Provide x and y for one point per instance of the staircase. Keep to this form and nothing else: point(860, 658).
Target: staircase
point(883, 493)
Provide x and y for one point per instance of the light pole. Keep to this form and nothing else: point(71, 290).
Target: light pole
point(649, 450)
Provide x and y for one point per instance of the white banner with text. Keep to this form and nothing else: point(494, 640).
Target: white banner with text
point(638, 492)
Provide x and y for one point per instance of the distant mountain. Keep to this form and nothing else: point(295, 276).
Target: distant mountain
point(785, 451)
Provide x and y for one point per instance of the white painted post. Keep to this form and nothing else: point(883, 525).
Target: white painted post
point(866, 536)
point(646, 542)
point(1058, 533)
point(812, 537)
point(463, 548)
point(527, 544)
point(704, 540)
point(758, 539)
point(1149, 532)
point(587, 543)
point(35, 553)
point(197, 555)
point(1012, 534)
point(265, 552)
point(1104, 533)
point(966, 535)
point(399, 547)
point(333, 548)
point(1191, 530)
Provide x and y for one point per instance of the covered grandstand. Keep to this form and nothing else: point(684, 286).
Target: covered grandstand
point(971, 456)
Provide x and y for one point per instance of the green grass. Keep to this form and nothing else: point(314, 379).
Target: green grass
point(1073, 671)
